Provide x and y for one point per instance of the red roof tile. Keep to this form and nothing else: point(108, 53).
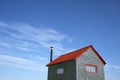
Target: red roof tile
point(73, 55)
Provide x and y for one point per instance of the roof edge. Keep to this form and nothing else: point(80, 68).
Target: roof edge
point(102, 60)
point(87, 48)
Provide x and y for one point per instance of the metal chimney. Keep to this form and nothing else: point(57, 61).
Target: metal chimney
point(51, 53)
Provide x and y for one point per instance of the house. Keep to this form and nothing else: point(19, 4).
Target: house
point(82, 64)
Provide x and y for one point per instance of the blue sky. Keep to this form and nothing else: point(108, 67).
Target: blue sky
point(29, 27)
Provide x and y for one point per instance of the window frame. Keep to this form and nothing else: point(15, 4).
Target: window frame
point(91, 65)
point(61, 68)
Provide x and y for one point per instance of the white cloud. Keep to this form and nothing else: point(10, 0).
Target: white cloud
point(36, 34)
point(4, 44)
point(21, 63)
point(19, 46)
point(15, 59)
point(110, 76)
point(42, 37)
point(21, 36)
point(70, 40)
point(2, 23)
point(111, 67)
point(40, 58)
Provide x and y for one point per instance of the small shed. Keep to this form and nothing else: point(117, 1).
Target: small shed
point(82, 64)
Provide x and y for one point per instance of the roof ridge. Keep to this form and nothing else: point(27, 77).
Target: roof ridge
point(73, 55)
point(70, 56)
point(77, 50)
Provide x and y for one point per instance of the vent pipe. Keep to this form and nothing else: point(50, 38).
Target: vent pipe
point(51, 53)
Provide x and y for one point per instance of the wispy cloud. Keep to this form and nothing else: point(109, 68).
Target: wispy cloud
point(24, 35)
point(2, 23)
point(5, 44)
point(111, 67)
point(112, 72)
point(20, 62)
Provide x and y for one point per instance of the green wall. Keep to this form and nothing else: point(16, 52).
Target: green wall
point(69, 71)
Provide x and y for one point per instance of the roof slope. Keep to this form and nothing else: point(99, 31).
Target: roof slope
point(73, 55)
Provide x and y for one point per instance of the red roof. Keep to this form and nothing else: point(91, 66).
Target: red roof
point(73, 55)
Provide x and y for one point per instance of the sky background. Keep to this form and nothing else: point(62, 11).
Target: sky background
point(29, 27)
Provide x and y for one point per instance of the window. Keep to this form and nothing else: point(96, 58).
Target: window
point(91, 68)
point(60, 70)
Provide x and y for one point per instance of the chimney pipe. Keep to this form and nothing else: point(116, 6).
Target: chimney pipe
point(51, 53)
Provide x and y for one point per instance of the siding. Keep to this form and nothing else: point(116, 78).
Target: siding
point(89, 58)
point(69, 71)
